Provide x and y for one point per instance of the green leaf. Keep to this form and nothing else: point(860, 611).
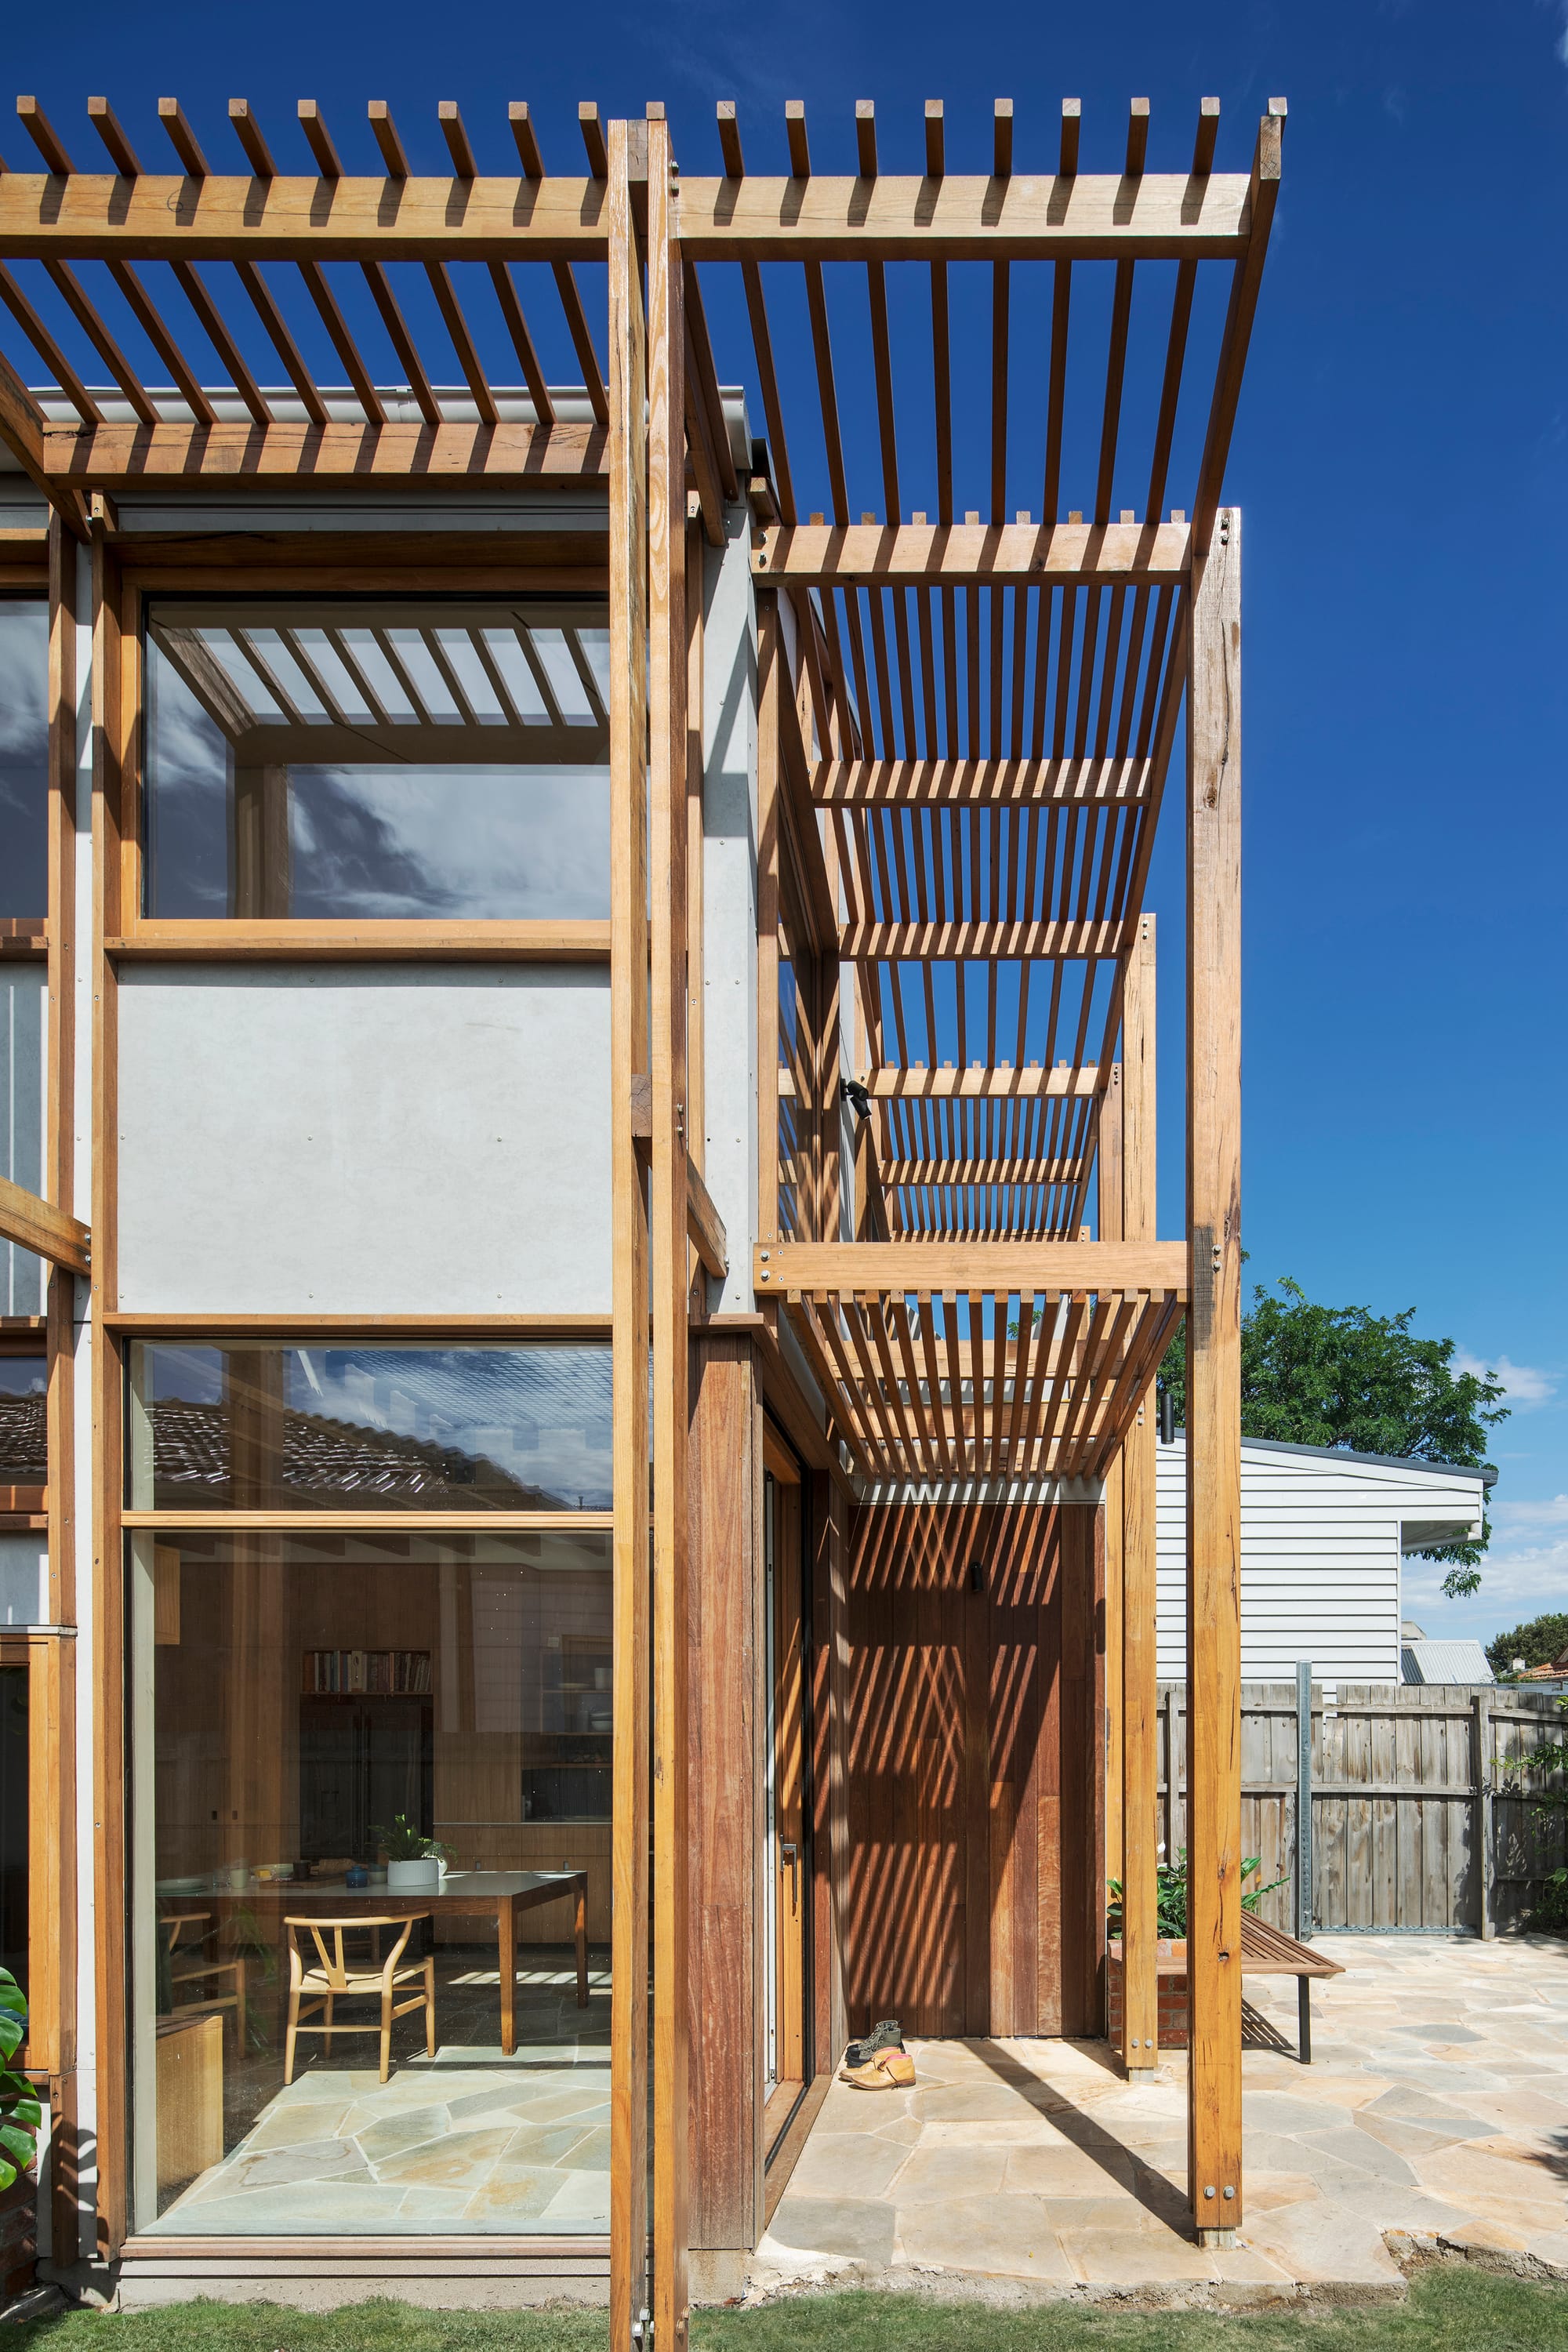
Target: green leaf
point(17, 2143)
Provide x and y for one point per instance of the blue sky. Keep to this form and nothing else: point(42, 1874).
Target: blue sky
point(1402, 461)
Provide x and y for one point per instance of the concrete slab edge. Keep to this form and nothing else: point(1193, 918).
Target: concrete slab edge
point(999, 2294)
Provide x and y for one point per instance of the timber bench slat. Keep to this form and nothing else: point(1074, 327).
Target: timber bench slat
point(1269, 1951)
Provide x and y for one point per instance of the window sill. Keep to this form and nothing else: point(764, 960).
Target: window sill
point(241, 939)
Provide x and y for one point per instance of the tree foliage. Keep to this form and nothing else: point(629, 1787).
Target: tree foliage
point(1342, 1376)
point(1539, 1643)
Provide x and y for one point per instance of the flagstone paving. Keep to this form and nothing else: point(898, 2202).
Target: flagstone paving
point(1437, 2105)
point(467, 2141)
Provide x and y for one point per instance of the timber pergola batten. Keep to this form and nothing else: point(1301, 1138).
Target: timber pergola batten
point(966, 723)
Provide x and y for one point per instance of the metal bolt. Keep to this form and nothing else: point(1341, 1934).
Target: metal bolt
point(1208, 2192)
point(1230, 2192)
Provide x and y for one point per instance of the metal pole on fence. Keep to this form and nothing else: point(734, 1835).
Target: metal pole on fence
point(1303, 1800)
point(1481, 1745)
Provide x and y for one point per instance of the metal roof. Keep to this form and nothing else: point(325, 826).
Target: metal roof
point(1444, 1661)
point(1484, 1471)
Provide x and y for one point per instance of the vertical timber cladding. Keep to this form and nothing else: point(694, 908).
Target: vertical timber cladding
point(724, 1982)
point(974, 1734)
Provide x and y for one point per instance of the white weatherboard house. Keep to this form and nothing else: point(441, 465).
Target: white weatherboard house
point(1323, 1533)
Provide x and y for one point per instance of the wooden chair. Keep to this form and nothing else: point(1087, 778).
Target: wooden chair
point(334, 1978)
point(192, 1961)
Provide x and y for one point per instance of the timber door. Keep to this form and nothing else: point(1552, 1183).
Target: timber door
point(787, 1878)
point(974, 1739)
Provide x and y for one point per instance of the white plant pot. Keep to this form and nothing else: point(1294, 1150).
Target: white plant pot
point(422, 1877)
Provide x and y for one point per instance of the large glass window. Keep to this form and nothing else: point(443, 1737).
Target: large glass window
point(378, 760)
point(305, 1708)
point(23, 1425)
point(350, 1427)
point(23, 757)
point(24, 1475)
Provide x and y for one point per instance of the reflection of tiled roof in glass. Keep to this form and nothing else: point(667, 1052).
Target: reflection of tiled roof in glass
point(24, 1450)
point(336, 1464)
point(429, 1428)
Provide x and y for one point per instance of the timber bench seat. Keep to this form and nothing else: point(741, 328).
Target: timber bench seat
point(1269, 1951)
point(1266, 1951)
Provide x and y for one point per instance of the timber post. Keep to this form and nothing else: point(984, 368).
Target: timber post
point(629, 1242)
point(1213, 1384)
point(1139, 1662)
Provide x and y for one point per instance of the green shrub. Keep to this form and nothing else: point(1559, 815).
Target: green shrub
point(1170, 1896)
point(20, 2114)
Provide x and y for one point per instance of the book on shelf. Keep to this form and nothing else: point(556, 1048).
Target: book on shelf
point(372, 1673)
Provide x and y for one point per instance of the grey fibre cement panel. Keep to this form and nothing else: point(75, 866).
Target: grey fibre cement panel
point(376, 1140)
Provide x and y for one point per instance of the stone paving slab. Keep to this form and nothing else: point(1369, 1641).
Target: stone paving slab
point(1437, 2105)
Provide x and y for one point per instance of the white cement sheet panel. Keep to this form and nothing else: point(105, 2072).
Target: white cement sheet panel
point(379, 1140)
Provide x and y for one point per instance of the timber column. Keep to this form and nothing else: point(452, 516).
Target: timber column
point(1140, 1683)
point(670, 1275)
point(630, 1239)
point(1214, 1383)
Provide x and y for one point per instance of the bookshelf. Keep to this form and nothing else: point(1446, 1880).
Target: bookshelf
point(366, 1673)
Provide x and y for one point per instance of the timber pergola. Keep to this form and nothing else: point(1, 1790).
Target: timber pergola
point(967, 721)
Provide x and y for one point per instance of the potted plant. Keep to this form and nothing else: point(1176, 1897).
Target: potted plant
point(20, 2116)
point(413, 1860)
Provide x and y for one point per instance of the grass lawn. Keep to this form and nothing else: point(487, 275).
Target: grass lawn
point(1450, 2309)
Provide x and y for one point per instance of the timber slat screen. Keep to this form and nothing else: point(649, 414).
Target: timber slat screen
point(967, 715)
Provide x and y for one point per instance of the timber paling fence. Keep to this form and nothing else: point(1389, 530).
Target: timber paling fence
point(1422, 1810)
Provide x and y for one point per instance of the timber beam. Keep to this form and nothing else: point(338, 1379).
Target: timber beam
point(38, 1225)
point(502, 456)
point(1087, 783)
point(917, 555)
point(997, 1084)
point(704, 1225)
point(985, 1171)
point(984, 942)
point(930, 1268)
point(99, 216)
point(23, 433)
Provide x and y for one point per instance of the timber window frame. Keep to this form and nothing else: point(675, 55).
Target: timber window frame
point(446, 568)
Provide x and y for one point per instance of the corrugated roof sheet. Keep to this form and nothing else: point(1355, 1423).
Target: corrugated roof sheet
point(1445, 1662)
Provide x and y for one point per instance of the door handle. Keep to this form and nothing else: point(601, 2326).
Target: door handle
point(790, 1856)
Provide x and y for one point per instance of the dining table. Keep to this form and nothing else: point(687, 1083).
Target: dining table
point(500, 1895)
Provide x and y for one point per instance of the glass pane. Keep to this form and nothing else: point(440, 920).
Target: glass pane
point(14, 1822)
point(354, 1428)
point(308, 1713)
point(23, 1428)
point(377, 760)
point(23, 757)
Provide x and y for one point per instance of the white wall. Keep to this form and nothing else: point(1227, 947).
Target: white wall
point(1320, 1548)
point(365, 1139)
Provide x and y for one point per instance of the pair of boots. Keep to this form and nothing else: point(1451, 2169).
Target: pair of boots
point(880, 2062)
